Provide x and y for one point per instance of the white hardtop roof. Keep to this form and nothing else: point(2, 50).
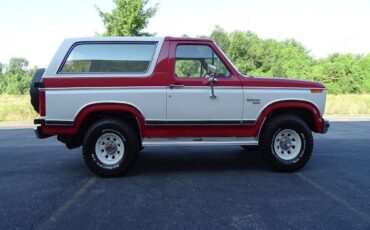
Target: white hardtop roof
point(123, 39)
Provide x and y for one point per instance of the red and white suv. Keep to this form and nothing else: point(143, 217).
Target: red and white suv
point(113, 96)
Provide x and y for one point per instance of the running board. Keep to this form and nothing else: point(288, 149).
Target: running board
point(201, 141)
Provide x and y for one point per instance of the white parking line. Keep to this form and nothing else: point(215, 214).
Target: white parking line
point(334, 197)
point(55, 215)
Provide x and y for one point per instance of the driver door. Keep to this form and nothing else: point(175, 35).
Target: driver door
point(189, 93)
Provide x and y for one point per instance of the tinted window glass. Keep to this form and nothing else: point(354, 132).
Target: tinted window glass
point(113, 58)
point(193, 60)
point(189, 68)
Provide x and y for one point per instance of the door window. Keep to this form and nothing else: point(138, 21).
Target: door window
point(192, 62)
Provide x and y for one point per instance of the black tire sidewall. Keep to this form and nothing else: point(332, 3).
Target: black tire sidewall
point(91, 156)
point(94, 154)
point(303, 145)
point(269, 134)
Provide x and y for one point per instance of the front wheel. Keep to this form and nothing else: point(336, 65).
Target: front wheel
point(286, 143)
point(109, 147)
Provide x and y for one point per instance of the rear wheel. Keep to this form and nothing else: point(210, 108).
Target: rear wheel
point(286, 143)
point(109, 147)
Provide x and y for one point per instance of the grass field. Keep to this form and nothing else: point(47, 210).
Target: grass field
point(17, 108)
point(348, 105)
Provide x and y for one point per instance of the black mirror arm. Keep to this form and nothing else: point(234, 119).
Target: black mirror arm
point(212, 79)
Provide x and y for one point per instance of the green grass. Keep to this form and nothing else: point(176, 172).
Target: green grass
point(17, 108)
point(348, 105)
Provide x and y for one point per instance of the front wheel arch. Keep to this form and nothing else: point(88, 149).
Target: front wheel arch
point(305, 110)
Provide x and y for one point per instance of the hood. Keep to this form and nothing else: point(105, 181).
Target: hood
point(251, 81)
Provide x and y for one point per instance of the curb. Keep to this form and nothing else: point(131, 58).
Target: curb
point(334, 118)
point(16, 125)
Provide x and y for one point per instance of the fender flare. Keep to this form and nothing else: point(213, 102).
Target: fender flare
point(293, 104)
point(74, 128)
point(109, 106)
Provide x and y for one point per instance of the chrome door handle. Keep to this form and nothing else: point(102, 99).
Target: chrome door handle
point(176, 86)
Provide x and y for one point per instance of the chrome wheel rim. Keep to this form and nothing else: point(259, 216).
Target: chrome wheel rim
point(109, 148)
point(287, 144)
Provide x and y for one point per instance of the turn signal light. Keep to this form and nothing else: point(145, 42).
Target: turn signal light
point(316, 90)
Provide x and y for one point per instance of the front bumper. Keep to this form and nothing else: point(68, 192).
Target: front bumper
point(326, 126)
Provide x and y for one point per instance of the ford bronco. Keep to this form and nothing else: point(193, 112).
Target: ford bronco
point(114, 96)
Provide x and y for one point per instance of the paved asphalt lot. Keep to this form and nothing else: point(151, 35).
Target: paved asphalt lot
point(43, 185)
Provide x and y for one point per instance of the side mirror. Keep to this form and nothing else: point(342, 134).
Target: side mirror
point(212, 70)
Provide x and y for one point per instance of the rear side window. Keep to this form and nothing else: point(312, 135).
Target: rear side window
point(109, 58)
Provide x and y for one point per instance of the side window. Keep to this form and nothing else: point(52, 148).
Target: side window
point(193, 60)
point(109, 58)
point(189, 68)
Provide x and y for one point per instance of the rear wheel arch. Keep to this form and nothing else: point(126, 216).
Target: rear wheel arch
point(95, 116)
point(95, 112)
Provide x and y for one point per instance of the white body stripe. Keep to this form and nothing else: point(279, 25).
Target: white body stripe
point(66, 104)
point(186, 104)
point(269, 96)
point(190, 103)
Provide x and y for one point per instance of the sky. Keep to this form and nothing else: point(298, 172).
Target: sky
point(34, 29)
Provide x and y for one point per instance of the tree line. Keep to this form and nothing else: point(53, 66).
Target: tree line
point(16, 76)
point(252, 55)
point(341, 73)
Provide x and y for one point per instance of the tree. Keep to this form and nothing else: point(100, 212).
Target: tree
point(362, 71)
point(14, 75)
point(1, 78)
point(339, 74)
point(221, 38)
point(129, 18)
point(17, 65)
point(17, 77)
point(245, 50)
point(292, 60)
